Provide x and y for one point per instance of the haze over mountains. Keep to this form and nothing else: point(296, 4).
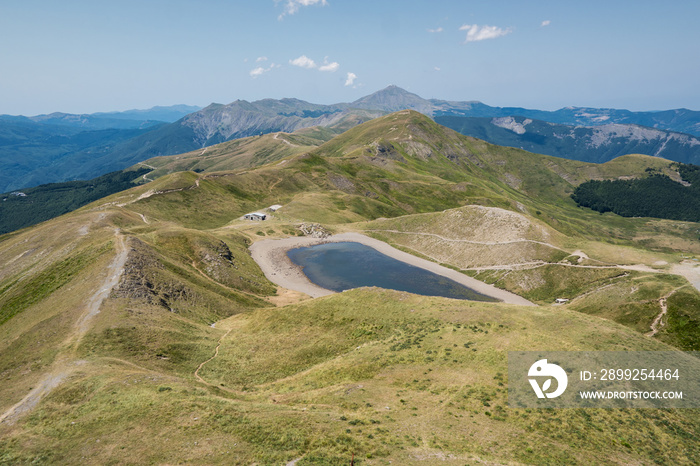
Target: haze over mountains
point(128, 119)
point(59, 147)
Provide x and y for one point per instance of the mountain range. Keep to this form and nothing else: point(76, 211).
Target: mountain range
point(49, 148)
point(588, 143)
point(394, 98)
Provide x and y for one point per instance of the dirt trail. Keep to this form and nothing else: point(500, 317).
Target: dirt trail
point(486, 243)
point(689, 271)
point(216, 353)
point(66, 364)
point(276, 137)
point(601, 288)
point(153, 192)
point(657, 323)
point(116, 268)
point(42, 388)
point(229, 324)
point(145, 177)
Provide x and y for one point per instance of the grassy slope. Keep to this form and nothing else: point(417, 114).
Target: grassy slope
point(314, 380)
point(384, 375)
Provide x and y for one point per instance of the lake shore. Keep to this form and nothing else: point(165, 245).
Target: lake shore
point(271, 256)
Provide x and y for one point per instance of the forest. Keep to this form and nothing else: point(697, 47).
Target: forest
point(655, 195)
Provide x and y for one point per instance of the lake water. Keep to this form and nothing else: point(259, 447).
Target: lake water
point(346, 265)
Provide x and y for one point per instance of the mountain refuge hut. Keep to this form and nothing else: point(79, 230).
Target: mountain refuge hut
point(255, 216)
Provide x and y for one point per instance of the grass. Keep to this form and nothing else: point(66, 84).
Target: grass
point(546, 283)
point(632, 300)
point(386, 376)
point(18, 295)
point(682, 325)
point(150, 337)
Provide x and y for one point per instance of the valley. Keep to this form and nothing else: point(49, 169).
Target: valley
point(140, 328)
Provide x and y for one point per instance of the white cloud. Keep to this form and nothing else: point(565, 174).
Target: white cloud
point(254, 73)
point(331, 67)
point(303, 62)
point(306, 62)
point(546, 22)
point(259, 71)
point(350, 79)
point(435, 30)
point(437, 68)
point(477, 33)
point(260, 59)
point(292, 6)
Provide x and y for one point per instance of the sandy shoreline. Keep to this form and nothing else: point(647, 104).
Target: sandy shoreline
point(271, 256)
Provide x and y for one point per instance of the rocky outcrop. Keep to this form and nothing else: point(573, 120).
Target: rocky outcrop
point(314, 230)
point(342, 183)
point(217, 261)
point(139, 278)
point(144, 279)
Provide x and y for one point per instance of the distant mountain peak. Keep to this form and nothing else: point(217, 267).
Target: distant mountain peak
point(392, 99)
point(392, 90)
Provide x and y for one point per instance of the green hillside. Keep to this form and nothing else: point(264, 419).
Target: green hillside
point(138, 329)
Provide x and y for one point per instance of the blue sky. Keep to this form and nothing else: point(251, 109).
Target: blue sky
point(82, 56)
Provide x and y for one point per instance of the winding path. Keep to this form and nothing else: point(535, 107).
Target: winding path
point(216, 353)
point(657, 322)
point(276, 137)
point(539, 263)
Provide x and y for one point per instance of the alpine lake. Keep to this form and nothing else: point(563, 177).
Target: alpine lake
point(345, 265)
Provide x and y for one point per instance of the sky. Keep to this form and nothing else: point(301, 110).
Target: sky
point(80, 56)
